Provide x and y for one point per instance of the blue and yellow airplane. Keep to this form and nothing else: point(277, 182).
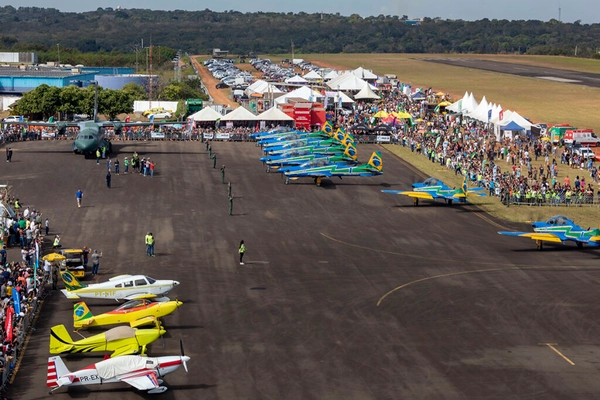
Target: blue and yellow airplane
point(559, 229)
point(373, 167)
point(432, 188)
point(349, 156)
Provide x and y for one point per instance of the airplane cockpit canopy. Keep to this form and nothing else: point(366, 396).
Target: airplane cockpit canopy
point(431, 182)
point(558, 220)
point(133, 304)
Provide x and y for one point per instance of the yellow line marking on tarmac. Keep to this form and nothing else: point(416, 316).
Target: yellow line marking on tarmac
point(427, 278)
point(551, 345)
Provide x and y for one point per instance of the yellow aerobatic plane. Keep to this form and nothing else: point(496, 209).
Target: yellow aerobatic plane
point(134, 312)
point(120, 341)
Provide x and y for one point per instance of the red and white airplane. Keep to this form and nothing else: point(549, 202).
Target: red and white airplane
point(143, 373)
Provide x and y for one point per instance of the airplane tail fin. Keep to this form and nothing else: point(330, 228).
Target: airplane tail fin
point(328, 128)
point(376, 162)
point(71, 283)
point(82, 315)
point(60, 340)
point(351, 152)
point(56, 370)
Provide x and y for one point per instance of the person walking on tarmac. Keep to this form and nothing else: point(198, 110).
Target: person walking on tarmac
point(242, 250)
point(150, 245)
point(96, 262)
point(108, 178)
point(98, 154)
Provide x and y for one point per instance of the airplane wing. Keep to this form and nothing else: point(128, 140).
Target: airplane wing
point(131, 348)
point(69, 295)
point(140, 296)
point(547, 237)
point(418, 195)
point(144, 380)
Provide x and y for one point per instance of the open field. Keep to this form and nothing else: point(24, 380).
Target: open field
point(540, 101)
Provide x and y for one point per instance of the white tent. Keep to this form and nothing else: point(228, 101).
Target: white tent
point(303, 92)
point(459, 105)
point(274, 114)
point(261, 87)
point(336, 96)
point(331, 75)
point(313, 76)
point(239, 114)
point(206, 114)
point(296, 79)
point(348, 82)
point(364, 74)
point(481, 108)
point(515, 117)
point(366, 94)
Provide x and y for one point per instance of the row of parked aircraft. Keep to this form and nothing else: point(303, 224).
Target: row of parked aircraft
point(317, 155)
point(127, 342)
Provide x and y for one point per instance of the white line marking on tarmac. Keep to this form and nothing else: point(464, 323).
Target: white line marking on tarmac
point(557, 79)
point(551, 345)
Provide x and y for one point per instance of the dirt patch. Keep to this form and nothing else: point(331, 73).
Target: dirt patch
point(220, 96)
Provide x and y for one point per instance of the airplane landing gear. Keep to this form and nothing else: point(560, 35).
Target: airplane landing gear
point(579, 245)
point(416, 201)
point(287, 181)
point(156, 390)
point(318, 181)
point(540, 244)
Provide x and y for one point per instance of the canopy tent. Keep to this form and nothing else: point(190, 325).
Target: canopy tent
point(366, 94)
point(239, 114)
point(313, 76)
point(515, 117)
point(364, 74)
point(511, 126)
point(330, 75)
point(273, 114)
point(457, 106)
point(416, 96)
point(261, 87)
point(349, 82)
point(303, 92)
point(206, 114)
point(481, 108)
point(296, 79)
point(336, 96)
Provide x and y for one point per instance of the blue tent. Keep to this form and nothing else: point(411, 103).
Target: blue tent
point(512, 126)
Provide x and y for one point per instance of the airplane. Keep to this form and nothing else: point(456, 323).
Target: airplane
point(559, 229)
point(121, 287)
point(279, 146)
point(335, 147)
point(284, 130)
point(350, 156)
point(120, 341)
point(297, 135)
point(134, 312)
point(432, 189)
point(143, 373)
point(373, 167)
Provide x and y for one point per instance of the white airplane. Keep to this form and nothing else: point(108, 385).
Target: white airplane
point(122, 287)
point(143, 373)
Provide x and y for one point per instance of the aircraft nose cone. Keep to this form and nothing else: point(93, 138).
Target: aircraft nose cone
point(185, 358)
point(162, 332)
point(175, 283)
point(178, 303)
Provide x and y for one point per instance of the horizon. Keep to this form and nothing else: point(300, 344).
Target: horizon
point(467, 10)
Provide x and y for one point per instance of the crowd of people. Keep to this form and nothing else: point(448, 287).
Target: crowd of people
point(22, 281)
point(517, 169)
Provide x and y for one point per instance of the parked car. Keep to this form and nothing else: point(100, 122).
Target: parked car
point(158, 113)
point(14, 118)
point(585, 152)
point(222, 85)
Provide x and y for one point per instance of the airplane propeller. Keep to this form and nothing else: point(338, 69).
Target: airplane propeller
point(183, 355)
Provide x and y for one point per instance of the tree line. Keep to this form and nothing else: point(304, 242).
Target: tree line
point(114, 36)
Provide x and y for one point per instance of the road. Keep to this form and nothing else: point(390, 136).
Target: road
point(347, 293)
point(551, 74)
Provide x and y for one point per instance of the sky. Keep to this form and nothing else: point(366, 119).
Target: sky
point(588, 11)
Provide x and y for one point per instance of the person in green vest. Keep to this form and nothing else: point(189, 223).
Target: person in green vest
point(126, 164)
point(98, 154)
point(568, 195)
point(149, 244)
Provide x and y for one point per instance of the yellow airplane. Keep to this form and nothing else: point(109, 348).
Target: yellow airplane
point(135, 312)
point(120, 341)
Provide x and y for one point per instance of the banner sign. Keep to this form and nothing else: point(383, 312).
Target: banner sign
point(222, 136)
point(16, 301)
point(207, 135)
point(383, 138)
point(157, 135)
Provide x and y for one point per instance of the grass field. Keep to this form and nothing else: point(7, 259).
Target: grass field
point(540, 101)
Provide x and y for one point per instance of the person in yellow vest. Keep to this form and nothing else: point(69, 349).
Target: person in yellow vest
point(98, 154)
point(56, 243)
point(150, 245)
point(242, 250)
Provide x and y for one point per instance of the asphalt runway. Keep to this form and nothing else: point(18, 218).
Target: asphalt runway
point(347, 293)
point(550, 74)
